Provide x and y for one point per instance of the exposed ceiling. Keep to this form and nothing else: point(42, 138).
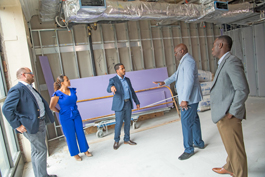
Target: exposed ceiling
point(47, 9)
point(9, 3)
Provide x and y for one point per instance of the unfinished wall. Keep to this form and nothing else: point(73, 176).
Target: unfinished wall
point(137, 44)
point(249, 45)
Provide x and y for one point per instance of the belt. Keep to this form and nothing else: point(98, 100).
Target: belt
point(126, 100)
point(74, 111)
point(42, 118)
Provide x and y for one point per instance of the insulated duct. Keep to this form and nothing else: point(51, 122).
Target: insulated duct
point(236, 12)
point(139, 10)
point(48, 9)
point(135, 10)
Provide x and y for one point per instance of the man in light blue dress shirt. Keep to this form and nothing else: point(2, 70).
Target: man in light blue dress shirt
point(189, 95)
point(122, 104)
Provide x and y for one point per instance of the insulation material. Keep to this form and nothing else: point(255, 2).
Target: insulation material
point(205, 76)
point(160, 11)
point(48, 10)
point(236, 12)
point(206, 87)
point(205, 104)
point(139, 10)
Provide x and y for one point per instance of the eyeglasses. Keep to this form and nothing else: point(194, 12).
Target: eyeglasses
point(29, 73)
point(176, 52)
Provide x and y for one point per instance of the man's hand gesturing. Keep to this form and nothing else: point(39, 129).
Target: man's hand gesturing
point(159, 82)
point(113, 89)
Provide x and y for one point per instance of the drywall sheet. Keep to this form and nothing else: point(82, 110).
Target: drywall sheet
point(250, 63)
point(47, 72)
point(92, 87)
point(260, 54)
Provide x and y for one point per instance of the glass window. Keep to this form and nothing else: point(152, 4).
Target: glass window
point(11, 137)
point(2, 83)
point(9, 151)
point(4, 163)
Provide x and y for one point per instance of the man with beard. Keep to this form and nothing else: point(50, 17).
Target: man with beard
point(189, 95)
point(27, 112)
point(122, 104)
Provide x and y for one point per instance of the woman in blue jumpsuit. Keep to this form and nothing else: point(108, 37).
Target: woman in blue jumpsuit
point(69, 116)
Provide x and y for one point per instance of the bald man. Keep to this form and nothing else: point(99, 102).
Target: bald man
point(189, 95)
point(228, 95)
point(27, 112)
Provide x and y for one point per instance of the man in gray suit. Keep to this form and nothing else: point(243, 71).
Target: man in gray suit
point(189, 95)
point(27, 112)
point(228, 95)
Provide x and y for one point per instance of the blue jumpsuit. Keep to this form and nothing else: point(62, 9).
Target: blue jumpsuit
point(71, 122)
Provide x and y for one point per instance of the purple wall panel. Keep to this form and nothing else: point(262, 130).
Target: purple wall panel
point(92, 87)
point(47, 72)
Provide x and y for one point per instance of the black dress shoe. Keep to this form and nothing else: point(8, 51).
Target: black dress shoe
point(199, 147)
point(116, 145)
point(130, 142)
point(185, 156)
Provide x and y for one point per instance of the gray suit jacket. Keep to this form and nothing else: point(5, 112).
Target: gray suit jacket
point(230, 89)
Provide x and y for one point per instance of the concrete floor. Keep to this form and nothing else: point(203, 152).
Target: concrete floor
point(158, 148)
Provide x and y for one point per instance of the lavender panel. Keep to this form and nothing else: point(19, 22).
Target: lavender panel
point(47, 72)
point(92, 87)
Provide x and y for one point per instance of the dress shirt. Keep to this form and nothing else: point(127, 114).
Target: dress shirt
point(181, 60)
point(221, 59)
point(125, 87)
point(37, 97)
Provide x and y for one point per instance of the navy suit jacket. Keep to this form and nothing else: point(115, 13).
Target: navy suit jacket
point(118, 98)
point(21, 108)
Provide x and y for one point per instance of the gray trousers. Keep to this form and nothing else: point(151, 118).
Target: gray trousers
point(38, 150)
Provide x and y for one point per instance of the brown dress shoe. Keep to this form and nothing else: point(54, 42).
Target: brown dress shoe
point(88, 154)
point(222, 171)
point(116, 145)
point(77, 158)
point(129, 142)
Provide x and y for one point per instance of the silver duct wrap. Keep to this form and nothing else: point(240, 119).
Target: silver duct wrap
point(48, 9)
point(139, 10)
point(236, 12)
point(133, 10)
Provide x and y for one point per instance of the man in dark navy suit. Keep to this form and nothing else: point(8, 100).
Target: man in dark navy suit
point(27, 112)
point(122, 103)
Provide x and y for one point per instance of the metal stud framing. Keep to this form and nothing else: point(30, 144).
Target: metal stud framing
point(163, 47)
point(129, 46)
point(180, 33)
point(199, 46)
point(255, 60)
point(206, 48)
point(34, 56)
point(152, 44)
point(103, 49)
point(90, 48)
point(215, 62)
point(115, 39)
point(190, 46)
point(141, 45)
point(40, 43)
point(244, 53)
point(76, 60)
point(172, 47)
point(59, 53)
